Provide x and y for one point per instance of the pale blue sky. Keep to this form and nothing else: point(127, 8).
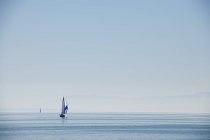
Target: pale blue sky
point(105, 56)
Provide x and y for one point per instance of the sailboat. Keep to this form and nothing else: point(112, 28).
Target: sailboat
point(64, 109)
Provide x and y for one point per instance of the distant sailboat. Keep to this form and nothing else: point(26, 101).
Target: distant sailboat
point(64, 109)
point(40, 111)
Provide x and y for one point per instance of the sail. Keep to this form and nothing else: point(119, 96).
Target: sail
point(66, 109)
point(63, 107)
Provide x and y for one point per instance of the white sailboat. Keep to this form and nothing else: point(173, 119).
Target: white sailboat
point(64, 109)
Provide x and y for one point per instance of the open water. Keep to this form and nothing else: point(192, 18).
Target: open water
point(107, 126)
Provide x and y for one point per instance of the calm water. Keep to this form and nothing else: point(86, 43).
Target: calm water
point(84, 126)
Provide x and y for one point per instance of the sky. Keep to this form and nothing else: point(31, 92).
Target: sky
point(105, 56)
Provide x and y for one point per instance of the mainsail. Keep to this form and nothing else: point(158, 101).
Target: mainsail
point(63, 106)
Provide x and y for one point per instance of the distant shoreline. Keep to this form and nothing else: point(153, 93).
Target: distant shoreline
point(120, 113)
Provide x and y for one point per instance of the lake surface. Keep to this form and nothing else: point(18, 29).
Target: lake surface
point(92, 126)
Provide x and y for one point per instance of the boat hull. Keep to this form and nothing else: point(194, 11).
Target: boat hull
point(62, 115)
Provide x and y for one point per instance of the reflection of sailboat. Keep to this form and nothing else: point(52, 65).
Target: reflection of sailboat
point(64, 109)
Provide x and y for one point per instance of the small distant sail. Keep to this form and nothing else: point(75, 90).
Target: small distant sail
point(64, 108)
point(40, 110)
